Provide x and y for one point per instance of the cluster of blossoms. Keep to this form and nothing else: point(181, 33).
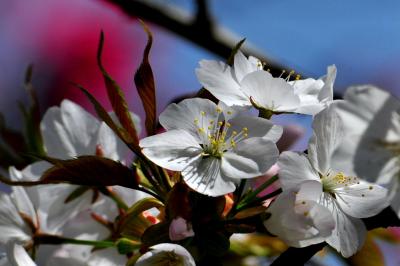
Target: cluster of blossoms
point(100, 196)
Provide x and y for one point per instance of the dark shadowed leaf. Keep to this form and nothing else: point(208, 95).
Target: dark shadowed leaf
point(144, 81)
point(117, 97)
point(89, 171)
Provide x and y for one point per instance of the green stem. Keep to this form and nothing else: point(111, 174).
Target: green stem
point(115, 197)
point(258, 200)
point(260, 189)
point(58, 240)
point(265, 113)
point(145, 190)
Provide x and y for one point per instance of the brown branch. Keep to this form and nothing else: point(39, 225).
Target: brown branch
point(200, 31)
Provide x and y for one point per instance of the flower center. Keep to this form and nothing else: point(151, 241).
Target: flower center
point(217, 136)
point(331, 181)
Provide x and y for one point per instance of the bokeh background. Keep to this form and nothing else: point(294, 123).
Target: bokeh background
point(60, 38)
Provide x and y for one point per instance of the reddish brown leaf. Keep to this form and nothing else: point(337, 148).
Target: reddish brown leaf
point(117, 97)
point(89, 171)
point(145, 86)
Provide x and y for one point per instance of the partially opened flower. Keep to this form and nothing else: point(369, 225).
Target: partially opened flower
point(246, 84)
point(347, 197)
point(166, 254)
point(371, 118)
point(212, 149)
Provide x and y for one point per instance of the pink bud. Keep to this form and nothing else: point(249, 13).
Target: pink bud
point(180, 229)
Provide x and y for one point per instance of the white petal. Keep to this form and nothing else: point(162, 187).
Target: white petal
point(367, 118)
point(349, 234)
point(174, 149)
point(271, 93)
point(252, 157)
point(328, 134)
point(17, 256)
point(326, 92)
point(257, 127)
point(107, 257)
point(299, 223)
point(110, 144)
point(68, 131)
point(295, 168)
point(309, 190)
point(183, 115)
point(11, 224)
point(217, 78)
point(204, 176)
point(243, 66)
point(157, 254)
point(362, 200)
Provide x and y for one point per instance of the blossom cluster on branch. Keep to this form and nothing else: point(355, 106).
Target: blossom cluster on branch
point(91, 191)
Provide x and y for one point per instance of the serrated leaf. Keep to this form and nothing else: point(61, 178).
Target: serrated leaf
point(117, 97)
point(144, 81)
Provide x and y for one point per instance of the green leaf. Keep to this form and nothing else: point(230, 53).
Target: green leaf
point(117, 97)
point(76, 193)
point(133, 224)
point(125, 245)
point(144, 81)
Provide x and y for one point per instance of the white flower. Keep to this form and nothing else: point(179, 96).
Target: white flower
point(69, 131)
point(348, 198)
point(246, 84)
point(371, 118)
point(16, 256)
point(19, 217)
point(315, 95)
point(211, 149)
point(166, 254)
point(298, 218)
point(224, 81)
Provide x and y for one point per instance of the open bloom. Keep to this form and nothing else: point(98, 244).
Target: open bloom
point(247, 84)
point(212, 149)
point(348, 198)
point(371, 118)
point(166, 254)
